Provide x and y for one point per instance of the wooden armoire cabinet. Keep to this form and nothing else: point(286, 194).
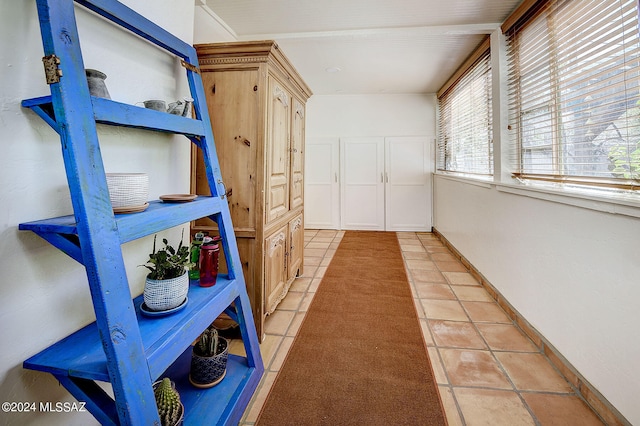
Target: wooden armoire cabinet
point(256, 101)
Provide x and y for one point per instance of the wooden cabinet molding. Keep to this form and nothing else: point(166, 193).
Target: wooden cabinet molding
point(252, 54)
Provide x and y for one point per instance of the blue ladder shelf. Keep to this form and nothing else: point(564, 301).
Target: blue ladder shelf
point(122, 346)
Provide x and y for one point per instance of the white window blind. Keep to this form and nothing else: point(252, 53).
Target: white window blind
point(574, 99)
point(465, 142)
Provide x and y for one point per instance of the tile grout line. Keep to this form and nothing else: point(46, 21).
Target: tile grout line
point(442, 368)
point(426, 321)
point(488, 348)
point(527, 330)
point(449, 385)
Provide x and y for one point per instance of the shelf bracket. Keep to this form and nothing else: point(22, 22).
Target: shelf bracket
point(197, 140)
point(98, 403)
point(232, 313)
point(43, 107)
point(68, 244)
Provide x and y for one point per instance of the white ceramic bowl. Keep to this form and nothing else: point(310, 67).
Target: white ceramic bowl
point(128, 189)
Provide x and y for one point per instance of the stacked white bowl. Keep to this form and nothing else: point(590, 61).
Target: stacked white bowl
point(128, 190)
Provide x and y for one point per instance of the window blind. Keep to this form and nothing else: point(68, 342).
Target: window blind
point(574, 95)
point(465, 142)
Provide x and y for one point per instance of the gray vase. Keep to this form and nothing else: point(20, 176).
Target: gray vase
point(97, 86)
point(156, 104)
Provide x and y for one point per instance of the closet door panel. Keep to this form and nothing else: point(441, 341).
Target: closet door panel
point(362, 186)
point(322, 187)
point(408, 184)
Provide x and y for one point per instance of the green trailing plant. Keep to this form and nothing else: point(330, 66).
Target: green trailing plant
point(168, 262)
point(625, 164)
point(207, 344)
point(624, 156)
point(168, 402)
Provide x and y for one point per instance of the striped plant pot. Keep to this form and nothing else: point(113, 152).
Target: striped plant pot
point(162, 295)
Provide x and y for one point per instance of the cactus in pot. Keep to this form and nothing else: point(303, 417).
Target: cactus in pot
point(170, 408)
point(209, 359)
point(208, 342)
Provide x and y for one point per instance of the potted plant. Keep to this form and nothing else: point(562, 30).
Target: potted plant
point(170, 408)
point(209, 359)
point(167, 283)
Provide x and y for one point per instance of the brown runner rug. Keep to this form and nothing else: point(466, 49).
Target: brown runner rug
point(359, 357)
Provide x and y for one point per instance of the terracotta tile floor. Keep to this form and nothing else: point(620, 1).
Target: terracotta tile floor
point(488, 372)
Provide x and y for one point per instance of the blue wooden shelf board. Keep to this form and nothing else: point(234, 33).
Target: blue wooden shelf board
point(223, 404)
point(106, 111)
point(158, 216)
point(164, 338)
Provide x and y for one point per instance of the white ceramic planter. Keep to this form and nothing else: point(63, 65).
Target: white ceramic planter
point(128, 189)
point(162, 295)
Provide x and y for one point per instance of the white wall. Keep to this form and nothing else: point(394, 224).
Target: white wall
point(43, 293)
point(208, 27)
point(371, 115)
point(572, 272)
point(346, 116)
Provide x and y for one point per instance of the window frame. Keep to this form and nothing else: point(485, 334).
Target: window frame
point(542, 14)
point(459, 85)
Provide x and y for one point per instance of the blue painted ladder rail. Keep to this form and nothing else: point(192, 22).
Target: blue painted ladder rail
point(123, 347)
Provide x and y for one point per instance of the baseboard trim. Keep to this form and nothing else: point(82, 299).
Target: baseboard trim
point(608, 413)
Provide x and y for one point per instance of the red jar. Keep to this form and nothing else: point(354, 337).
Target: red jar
point(209, 253)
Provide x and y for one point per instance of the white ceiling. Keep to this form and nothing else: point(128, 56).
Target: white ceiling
point(380, 46)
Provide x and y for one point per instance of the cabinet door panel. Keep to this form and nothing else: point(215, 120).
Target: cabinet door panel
point(234, 106)
point(278, 158)
point(296, 247)
point(275, 268)
point(297, 155)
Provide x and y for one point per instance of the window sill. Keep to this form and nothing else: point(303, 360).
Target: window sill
point(483, 183)
point(621, 204)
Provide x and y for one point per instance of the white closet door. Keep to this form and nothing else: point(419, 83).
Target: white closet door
point(362, 184)
point(408, 184)
point(321, 183)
